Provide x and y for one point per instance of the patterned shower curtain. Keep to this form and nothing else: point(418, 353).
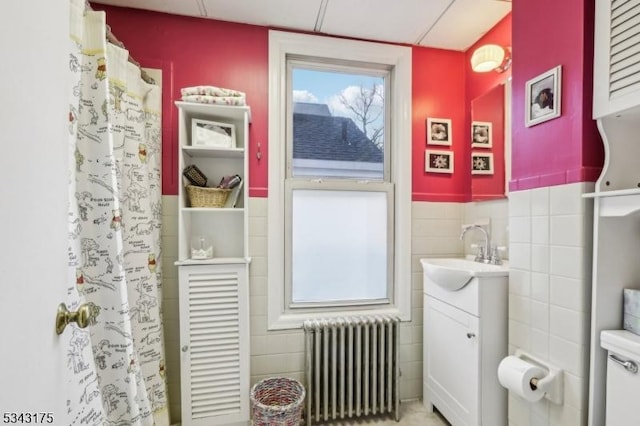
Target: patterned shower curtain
point(117, 365)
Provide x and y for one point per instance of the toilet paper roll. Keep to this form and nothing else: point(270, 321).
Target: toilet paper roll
point(515, 374)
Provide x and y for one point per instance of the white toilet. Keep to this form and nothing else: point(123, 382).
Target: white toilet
point(623, 377)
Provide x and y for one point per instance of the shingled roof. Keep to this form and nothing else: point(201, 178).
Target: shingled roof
point(311, 108)
point(323, 137)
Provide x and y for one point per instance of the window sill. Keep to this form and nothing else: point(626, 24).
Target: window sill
point(294, 321)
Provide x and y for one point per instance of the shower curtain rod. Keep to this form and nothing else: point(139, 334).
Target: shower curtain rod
point(114, 40)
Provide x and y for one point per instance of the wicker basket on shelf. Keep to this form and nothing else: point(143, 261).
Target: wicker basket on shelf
point(207, 197)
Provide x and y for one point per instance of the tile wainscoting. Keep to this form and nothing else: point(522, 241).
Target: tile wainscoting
point(435, 233)
point(550, 244)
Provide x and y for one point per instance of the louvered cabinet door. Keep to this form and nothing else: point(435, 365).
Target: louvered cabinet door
point(616, 56)
point(214, 340)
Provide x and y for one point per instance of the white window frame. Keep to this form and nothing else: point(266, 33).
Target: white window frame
point(281, 46)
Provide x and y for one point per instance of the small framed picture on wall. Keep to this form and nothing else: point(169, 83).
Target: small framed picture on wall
point(543, 96)
point(481, 134)
point(481, 163)
point(439, 131)
point(438, 161)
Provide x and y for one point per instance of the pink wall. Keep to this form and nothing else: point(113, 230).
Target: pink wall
point(490, 108)
point(567, 149)
point(486, 187)
point(479, 83)
point(443, 87)
point(196, 51)
point(438, 92)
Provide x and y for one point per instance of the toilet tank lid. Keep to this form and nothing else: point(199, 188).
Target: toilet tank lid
point(621, 341)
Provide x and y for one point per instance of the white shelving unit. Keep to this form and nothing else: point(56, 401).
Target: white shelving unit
point(227, 226)
point(616, 222)
point(214, 295)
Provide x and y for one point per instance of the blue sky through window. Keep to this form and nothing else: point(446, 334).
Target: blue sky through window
point(325, 87)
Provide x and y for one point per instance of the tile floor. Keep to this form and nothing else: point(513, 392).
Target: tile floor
point(412, 413)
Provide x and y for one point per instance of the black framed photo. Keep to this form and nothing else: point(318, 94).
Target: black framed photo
point(481, 163)
point(481, 134)
point(439, 131)
point(438, 161)
point(543, 96)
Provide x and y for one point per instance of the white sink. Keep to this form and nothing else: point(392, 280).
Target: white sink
point(452, 274)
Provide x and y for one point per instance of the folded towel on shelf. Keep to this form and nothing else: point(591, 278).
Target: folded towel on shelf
point(210, 91)
point(218, 100)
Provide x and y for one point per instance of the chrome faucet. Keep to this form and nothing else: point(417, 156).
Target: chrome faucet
point(484, 254)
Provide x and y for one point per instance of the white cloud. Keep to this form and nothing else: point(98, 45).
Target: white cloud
point(352, 95)
point(304, 96)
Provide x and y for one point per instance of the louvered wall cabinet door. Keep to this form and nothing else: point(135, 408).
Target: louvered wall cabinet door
point(214, 340)
point(616, 57)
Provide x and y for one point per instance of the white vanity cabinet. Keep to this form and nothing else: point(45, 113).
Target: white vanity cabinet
point(452, 356)
point(214, 292)
point(465, 338)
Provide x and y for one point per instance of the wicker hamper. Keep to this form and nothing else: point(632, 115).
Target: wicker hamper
point(207, 197)
point(277, 401)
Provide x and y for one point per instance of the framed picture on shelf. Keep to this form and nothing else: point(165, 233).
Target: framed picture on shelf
point(439, 131)
point(481, 134)
point(438, 161)
point(542, 97)
point(205, 133)
point(481, 163)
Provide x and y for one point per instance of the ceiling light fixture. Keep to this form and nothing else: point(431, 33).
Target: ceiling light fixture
point(491, 57)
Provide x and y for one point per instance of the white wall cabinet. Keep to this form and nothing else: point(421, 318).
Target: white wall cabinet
point(214, 295)
point(616, 106)
point(616, 57)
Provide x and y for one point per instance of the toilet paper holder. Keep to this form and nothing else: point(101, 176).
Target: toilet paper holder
point(551, 383)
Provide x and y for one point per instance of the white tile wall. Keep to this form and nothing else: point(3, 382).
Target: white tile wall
point(497, 212)
point(540, 287)
point(552, 320)
point(435, 233)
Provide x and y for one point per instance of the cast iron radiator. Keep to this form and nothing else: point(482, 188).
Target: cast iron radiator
point(352, 367)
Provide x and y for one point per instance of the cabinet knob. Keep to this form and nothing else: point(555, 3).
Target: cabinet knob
point(471, 335)
point(185, 348)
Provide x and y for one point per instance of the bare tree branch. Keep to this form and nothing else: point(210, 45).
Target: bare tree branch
point(366, 111)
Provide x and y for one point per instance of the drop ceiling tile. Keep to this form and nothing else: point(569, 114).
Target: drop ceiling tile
point(464, 23)
point(175, 7)
point(292, 14)
point(400, 21)
point(446, 24)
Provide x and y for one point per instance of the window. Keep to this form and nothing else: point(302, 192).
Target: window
point(339, 178)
